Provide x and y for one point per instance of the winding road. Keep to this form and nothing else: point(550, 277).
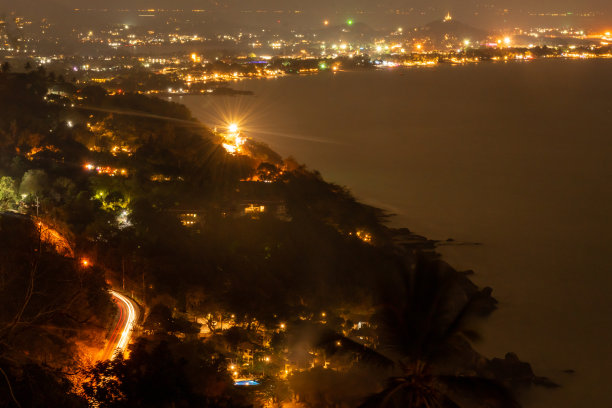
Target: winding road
point(128, 309)
point(120, 336)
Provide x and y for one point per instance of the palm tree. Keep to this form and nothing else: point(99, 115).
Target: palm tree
point(423, 329)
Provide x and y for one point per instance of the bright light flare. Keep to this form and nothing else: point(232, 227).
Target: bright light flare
point(233, 127)
point(507, 40)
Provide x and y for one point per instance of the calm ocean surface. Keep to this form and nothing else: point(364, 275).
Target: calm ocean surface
point(515, 156)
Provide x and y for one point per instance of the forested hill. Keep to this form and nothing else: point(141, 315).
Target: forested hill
point(247, 265)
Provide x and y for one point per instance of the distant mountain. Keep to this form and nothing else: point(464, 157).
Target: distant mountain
point(355, 33)
point(447, 28)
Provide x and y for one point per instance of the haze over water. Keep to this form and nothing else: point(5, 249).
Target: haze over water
point(514, 156)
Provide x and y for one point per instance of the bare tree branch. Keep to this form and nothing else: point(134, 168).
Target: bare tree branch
point(8, 382)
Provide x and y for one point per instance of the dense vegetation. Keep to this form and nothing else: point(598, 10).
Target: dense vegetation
point(246, 265)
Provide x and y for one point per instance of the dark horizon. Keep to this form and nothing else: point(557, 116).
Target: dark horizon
point(593, 14)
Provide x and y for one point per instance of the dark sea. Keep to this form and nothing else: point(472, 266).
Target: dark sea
point(515, 156)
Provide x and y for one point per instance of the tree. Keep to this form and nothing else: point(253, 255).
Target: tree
point(160, 320)
point(8, 195)
point(93, 94)
point(34, 182)
point(423, 327)
point(6, 67)
point(163, 373)
point(48, 307)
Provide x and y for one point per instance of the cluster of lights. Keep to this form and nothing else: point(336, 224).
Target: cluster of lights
point(35, 150)
point(123, 219)
point(110, 171)
point(120, 149)
point(189, 219)
point(233, 141)
point(362, 235)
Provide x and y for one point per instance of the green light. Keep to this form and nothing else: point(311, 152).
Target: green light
point(349, 22)
point(322, 66)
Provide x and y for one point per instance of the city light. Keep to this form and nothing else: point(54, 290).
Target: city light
point(219, 197)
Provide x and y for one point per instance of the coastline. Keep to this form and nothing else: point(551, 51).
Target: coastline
point(537, 182)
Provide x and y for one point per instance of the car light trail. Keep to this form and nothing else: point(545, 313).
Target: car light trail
point(127, 318)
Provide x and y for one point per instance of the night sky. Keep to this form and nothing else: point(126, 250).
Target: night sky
point(321, 6)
